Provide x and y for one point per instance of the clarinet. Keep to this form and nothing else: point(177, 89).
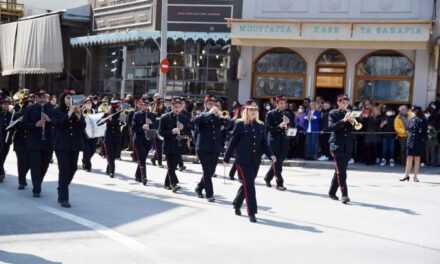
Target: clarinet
point(43, 127)
point(10, 121)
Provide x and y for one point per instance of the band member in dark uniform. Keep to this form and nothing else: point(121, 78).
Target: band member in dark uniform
point(37, 119)
point(248, 143)
point(19, 134)
point(90, 144)
point(143, 136)
point(158, 109)
point(341, 144)
point(209, 144)
point(5, 120)
point(69, 141)
point(278, 121)
point(171, 127)
point(113, 137)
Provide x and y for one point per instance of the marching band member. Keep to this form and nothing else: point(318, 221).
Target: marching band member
point(158, 109)
point(341, 145)
point(277, 123)
point(69, 141)
point(37, 119)
point(90, 143)
point(248, 143)
point(5, 120)
point(19, 134)
point(171, 128)
point(142, 124)
point(113, 137)
point(209, 144)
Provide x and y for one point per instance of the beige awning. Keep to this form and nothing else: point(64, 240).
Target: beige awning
point(402, 34)
point(7, 45)
point(38, 47)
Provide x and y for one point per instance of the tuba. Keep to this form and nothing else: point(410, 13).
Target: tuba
point(21, 96)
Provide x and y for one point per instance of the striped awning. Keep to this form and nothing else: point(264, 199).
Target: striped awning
point(131, 36)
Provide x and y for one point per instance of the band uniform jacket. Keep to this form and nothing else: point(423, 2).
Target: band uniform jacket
point(341, 139)
point(277, 136)
point(172, 144)
point(208, 133)
point(36, 140)
point(139, 134)
point(248, 142)
point(69, 131)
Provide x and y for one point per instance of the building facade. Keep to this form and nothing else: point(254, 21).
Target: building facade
point(377, 49)
point(125, 46)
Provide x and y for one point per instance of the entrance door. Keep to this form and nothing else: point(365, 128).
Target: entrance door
point(331, 69)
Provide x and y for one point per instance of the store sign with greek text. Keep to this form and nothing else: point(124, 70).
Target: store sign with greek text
point(328, 31)
point(397, 32)
point(259, 30)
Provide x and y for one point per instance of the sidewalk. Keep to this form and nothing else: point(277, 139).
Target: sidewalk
point(315, 164)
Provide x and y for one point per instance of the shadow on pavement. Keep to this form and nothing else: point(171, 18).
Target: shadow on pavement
point(286, 225)
point(21, 258)
point(107, 207)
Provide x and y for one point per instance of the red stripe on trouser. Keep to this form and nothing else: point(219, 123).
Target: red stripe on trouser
point(243, 179)
point(337, 169)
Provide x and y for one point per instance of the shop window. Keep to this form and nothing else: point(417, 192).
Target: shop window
point(384, 76)
point(280, 71)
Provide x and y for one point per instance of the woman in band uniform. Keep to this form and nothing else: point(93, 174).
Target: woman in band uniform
point(248, 143)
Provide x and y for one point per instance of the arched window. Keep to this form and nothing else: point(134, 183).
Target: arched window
point(384, 76)
point(280, 71)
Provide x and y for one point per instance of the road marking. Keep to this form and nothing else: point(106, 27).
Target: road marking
point(103, 230)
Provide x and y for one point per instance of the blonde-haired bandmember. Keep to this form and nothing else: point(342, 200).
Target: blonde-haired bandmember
point(248, 142)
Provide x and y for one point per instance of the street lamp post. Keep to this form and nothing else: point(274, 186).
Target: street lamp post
point(163, 46)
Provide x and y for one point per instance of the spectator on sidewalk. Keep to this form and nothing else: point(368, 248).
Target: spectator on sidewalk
point(387, 127)
point(400, 127)
point(416, 143)
point(324, 137)
point(432, 146)
point(312, 120)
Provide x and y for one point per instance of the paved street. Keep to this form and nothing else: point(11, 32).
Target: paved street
point(120, 221)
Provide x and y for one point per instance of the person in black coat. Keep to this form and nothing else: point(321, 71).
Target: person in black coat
point(158, 109)
point(37, 119)
point(248, 142)
point(69, 141)
point(143, 127)
point(5, 139)
point(209, 143)
point(172, 127)
point(19, 134)
point(113, 137)
point(341, 146)
point(416, 143)
point(90, 144)
point(278, 121)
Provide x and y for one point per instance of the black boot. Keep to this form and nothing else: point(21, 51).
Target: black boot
point(252, 219)
point(237, 211)
point(199, 192)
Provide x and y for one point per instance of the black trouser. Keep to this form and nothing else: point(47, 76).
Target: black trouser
point(233, 170)
point(180, 161)
point(324, 145)
point(158, 150)
point(39, 163)
point(89, 151)
point(171, 178)
point(111, 156)
point(275, 170)
point(209, 163)
point(67, 166)
point(3, 154)
point(247, 173)
point(340, 176)
point(141, 151)
point(22, 165)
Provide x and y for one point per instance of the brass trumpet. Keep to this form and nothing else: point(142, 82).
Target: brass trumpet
point(356, 125)
point(224, 114)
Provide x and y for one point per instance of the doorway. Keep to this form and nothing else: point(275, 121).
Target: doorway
point(331, 68)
